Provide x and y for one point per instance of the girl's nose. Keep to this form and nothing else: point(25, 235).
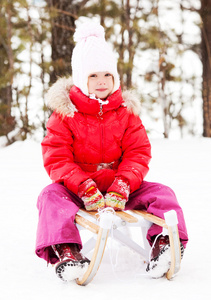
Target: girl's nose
point(101, 81)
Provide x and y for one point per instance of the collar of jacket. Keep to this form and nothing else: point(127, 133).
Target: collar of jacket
point(90, 106)
point(66, 99)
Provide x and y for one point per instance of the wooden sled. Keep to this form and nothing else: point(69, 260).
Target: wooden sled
point(101, 224)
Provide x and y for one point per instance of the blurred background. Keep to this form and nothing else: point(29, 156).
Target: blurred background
point(163, 49)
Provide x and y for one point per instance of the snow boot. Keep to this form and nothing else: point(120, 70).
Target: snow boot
point(160, 261)
point(72, 264)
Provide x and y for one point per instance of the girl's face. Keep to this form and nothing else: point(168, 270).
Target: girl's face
point(101, 84)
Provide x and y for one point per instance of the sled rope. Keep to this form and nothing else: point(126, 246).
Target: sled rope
point(106, 210)
point(114, 264)
point(111, 248)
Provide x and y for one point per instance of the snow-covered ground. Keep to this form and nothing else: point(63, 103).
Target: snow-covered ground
point(184, 165)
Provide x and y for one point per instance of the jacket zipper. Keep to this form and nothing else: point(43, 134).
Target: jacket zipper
point(102, 137)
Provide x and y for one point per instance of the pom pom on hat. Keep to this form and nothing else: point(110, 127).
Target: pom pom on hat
point(92, 54)
point(89, 29)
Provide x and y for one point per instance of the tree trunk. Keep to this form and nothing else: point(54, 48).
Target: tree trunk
point(206, 62)
point(127, 46)
point(130, 47)
point(63, 27)
point(7, 121)
point(64, 14)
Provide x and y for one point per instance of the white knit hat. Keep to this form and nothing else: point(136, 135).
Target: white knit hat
point(92, 54)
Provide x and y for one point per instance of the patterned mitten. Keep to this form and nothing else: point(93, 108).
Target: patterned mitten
point(115, 200)
point(91, 196)
point(118, 193)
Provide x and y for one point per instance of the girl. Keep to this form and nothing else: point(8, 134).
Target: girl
point(96, 152)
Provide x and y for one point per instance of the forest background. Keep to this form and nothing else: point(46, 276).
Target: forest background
point(163, 50)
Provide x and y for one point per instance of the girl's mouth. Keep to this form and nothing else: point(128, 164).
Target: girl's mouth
point(101, 90)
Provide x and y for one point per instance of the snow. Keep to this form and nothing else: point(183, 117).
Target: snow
point(184, 165)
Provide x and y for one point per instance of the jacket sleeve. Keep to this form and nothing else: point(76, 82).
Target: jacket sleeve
point(136, 153)
point(57, 150)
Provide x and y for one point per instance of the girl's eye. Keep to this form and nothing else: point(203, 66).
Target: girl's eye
point(93, 75)
point(108, 74)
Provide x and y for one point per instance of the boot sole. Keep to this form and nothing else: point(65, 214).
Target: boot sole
point(70, 270)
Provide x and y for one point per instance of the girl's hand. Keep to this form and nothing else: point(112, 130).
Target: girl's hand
point(118, 193)
point(93, 199)
point(115, 200)
point(91, 196)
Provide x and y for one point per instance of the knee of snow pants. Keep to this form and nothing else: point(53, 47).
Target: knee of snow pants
point(157, 199)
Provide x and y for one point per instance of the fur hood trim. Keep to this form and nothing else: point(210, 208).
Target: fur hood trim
point(58, 99)
point(132, 102)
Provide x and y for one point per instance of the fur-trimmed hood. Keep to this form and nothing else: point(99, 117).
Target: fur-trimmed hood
point(58, 99)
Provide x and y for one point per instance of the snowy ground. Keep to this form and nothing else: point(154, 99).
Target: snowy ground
point(184, 165)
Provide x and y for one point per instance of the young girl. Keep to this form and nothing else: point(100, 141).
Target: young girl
point(96, 152)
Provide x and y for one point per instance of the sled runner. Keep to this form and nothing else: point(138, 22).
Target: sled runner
point(101, 224)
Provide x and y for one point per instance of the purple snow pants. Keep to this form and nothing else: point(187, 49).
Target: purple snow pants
point(57, 208)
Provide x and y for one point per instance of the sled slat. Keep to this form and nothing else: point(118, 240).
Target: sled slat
point(96, 257)
point(175, 252)
point(87, 224)
point(91, 213)
point(126, 217)
point(121, 214)
point(151, 218)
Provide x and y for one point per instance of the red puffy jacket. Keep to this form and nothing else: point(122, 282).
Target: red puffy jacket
point(81, 143)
